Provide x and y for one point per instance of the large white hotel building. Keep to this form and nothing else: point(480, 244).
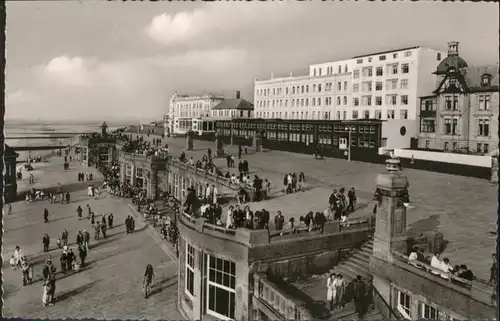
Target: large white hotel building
point(383, 85)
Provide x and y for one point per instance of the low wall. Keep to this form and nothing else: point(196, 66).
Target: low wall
point(71, 187)
point(450, 158)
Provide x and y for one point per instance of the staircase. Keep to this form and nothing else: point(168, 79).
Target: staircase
point(357, 262)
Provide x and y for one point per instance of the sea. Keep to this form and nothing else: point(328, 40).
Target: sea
point(22, 133)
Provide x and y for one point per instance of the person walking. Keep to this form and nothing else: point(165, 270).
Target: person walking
point(86, 239)
point(68, 197)
point(104, 228)
point(110, 220)
point(359, 291)
point(49, 284)
point(97, 230)
point(46, 242)
point(64, 237)
point(46, 215)
point(79, 210)
point(340, 291)
point(82, 253)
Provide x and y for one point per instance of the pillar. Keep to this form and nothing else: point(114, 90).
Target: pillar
point(122, 172)
point(390, 222)
point(494, 169)
point(189, 141)
point(132, 175)
point(243, 300)
point(154, 182)
point(197, 304)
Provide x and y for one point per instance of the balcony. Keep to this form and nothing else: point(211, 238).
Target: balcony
point(250, 238)
point(270, 299)
point(226, 182)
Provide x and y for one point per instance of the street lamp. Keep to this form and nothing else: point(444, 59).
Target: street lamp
point(350, 130)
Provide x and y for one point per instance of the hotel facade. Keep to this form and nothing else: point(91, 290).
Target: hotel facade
point(185, 110)
point(384, 85)
point(461, 113)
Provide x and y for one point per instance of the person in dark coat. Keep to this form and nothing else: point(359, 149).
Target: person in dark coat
point(110, 220)
point(79, 210)
point(132, 224)
point(64, 237)
point(86, 239)
point(358, 296)
point(104, 228)
point(68, 197)
point(279, 221)
point(127, 224)
point(46, 242)
point(103, 221)
point(79, 238)
point(46, 215)
point(63, 259)
point(82, 253)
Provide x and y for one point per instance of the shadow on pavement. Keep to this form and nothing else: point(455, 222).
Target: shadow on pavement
point(75, 291)
point(163, 284)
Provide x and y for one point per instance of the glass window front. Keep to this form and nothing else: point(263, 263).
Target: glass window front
point(221, 288)
point(190, 252)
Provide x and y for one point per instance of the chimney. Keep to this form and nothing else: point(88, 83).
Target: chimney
point(453, 48)
point(237, 94)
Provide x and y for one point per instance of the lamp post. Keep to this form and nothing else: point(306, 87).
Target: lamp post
point(349, 129)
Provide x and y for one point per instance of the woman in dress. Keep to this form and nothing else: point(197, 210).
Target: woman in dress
point(340, 290)
point(229, 217)
point(331, 290)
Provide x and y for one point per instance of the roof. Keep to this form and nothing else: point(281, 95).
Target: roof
point(474, 74)
point(450, 62)
point(384, 52)
point(10, 152)
point(239, 104)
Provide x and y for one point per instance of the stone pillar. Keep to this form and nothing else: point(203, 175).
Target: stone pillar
point(154, 182)
point(189, 141)
point(243, 300)
point(132, 175)
point(122, 172)
point(197, 304)
point(494, 169)
point(390, 225)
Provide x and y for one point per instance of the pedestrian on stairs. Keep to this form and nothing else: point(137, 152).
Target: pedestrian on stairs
point(359, 294)
point(330, 290)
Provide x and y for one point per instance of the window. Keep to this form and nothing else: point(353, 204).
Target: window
point(447, 103)
point(484, 102)
point(381, 58)
point(293, 90)
point(455, 102)
point(394, 69)
point(339, 86)
point(221, 288)
point(438, 56)
point(447, 126)
point(405, 68)
point(356, 74)
point(344, 114)
point(307, 102)
point(483, 127)
point(404, 83)
point(445, 145)
point(190, 252)
point(307, 88)
point(378, 101)
point(338, 101)
point(404, 305)
point(485, 80)
point(366, 114)
point(301, 89)
point(355, 88)
point(340, 69)
point(345, 100)
point(428, 312)
point(345, 69)
point(392, 100)
point(370, 72)
point(486, 148)
point(338, 115)
point(378, 114)
point(427, 144)
point(390, 114)
point(403, 114)
point(427, 125)
point(345, 85)
point(379, 71)
point(408, 54)
point(404, 99)
point(314, 88)
point(354, 114)
point(395, 55)
point(369, 101)
point(356, 101)
point(359, 61)
point(378, 86)
point(319, 88)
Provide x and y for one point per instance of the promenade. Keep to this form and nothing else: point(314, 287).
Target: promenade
point(462, 208)
point(110, 286)
point(50, 173)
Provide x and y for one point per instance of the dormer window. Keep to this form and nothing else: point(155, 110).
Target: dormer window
point(451, 70)
point(485, 80)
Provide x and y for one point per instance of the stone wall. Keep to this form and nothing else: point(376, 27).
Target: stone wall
point(468, 303)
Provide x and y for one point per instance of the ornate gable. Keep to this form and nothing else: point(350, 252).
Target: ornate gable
point(452, 83)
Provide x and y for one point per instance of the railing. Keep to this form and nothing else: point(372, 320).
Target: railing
point(481, 290)
point(358, 223)
point(198, 171)
point(220, 229)
point(278, 301)
point(152, 158)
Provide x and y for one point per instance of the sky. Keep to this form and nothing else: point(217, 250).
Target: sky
point(124, 60)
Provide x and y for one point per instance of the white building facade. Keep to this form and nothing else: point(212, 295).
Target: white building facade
point(184, 109)
point(384, 85)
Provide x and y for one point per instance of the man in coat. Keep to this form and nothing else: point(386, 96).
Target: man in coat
point(46, 242)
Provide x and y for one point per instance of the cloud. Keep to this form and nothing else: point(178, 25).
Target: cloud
point(87, 87)
point(221, 23)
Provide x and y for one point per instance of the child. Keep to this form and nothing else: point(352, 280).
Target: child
point(59, 243)
point(12, 262)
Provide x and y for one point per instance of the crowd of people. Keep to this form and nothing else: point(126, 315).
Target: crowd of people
point(339, 292)
point(293, 183)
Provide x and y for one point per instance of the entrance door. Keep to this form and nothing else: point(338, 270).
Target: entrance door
point(342, 143)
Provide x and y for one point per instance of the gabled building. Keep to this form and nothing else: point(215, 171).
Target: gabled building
point(233, 108)
point(461, 114)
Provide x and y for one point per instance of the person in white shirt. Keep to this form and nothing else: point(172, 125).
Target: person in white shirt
point(229, 217)
point(204, 208)
point(446, 267)
point(436, 263)
point(331, 290)
point(18, 254)
point(215, 194)
point(191, 161)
